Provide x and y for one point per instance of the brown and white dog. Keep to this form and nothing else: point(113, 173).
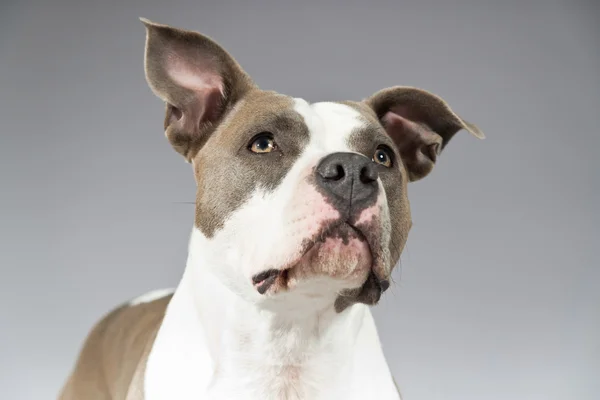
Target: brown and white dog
point(301, 215)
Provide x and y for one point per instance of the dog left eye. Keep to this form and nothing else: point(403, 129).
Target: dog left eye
point(263, 143)
point(383, 157)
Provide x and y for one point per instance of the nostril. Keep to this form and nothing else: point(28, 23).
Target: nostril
point(368, 174)
point(333, 172)
point(340, 172)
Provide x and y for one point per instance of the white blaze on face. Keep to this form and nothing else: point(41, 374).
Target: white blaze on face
point(330, 125)
point(273, 228)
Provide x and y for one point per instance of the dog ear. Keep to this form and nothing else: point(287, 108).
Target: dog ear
point(198, 80)
point(420, 123)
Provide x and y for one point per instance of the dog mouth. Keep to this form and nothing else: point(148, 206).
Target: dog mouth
point(264, 280)
point(343, 233)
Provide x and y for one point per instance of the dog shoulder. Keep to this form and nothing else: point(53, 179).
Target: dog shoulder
point(114, 348)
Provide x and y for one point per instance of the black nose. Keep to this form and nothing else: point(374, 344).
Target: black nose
point(348, 179)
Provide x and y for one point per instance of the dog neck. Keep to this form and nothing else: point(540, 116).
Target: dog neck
point(224, 346)
point(280, 350)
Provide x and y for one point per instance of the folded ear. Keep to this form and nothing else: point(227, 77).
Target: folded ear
point(420, 123)
point(197, 79)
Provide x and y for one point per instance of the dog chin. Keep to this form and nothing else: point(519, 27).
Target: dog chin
point(340, 256)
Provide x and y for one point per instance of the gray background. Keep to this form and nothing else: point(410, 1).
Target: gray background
point(498, 295)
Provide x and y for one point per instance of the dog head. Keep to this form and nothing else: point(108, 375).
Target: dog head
point(296, 203)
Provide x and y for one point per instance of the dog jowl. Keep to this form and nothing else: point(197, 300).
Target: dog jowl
point(301, 214)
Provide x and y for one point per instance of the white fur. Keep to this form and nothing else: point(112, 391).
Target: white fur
point(151, 296)
point(214, 345)
point(330, 125)
point(220, 339)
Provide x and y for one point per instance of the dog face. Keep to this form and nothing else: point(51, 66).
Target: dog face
point(296, 203)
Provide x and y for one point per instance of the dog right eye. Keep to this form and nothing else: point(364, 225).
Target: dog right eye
point(263, 143)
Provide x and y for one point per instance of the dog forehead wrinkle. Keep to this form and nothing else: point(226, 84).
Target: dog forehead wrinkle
point(330, 125)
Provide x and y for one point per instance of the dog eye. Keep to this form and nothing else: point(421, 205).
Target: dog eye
point(383, 156)
point(262, 143)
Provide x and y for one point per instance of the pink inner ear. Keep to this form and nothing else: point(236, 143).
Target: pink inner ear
point(412, 138)
point(201, 76)
point(403, 131)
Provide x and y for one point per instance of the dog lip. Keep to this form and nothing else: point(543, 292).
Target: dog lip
point(265, 279)
point(360, 234)
point(331, 228)
point(384, 284)
point(262, 276)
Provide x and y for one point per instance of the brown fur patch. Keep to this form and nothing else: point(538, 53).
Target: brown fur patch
point(227, 172)
point(113, 350)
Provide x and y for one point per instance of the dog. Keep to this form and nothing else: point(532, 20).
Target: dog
point(301, 214)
